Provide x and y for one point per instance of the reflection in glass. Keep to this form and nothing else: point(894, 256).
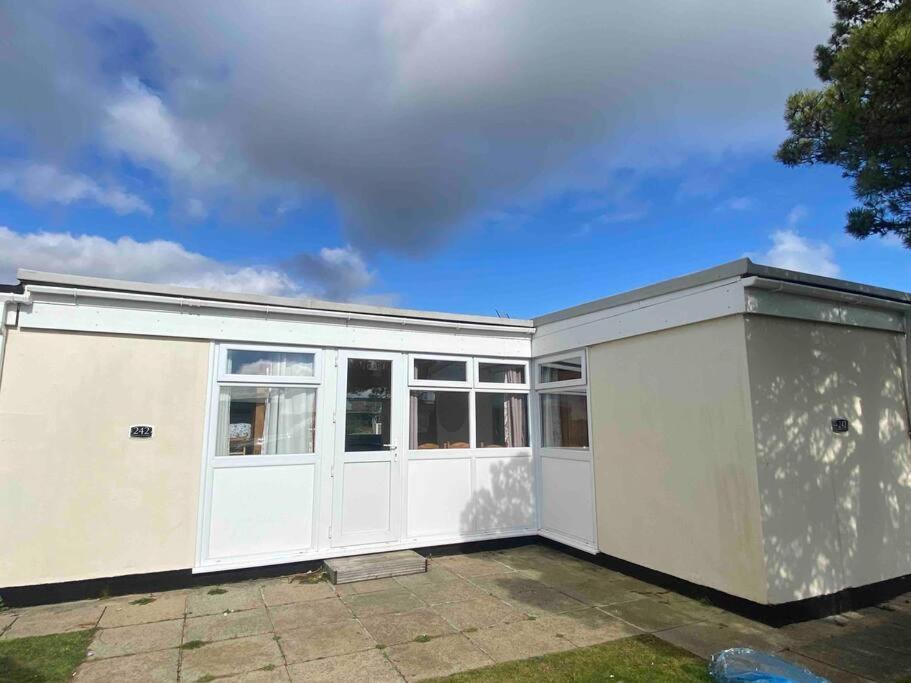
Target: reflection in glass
point(266, 421)
point(501, 373)
point(563, 370)
point(438, 419)
point(270, 363)
point(436, 370)
point(501, 420)
point(368, 404)
point(564, 421)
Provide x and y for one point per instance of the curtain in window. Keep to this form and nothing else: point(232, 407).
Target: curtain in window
point(289, 421)
point(515, 419)
point(224, 423)
point(412, 420)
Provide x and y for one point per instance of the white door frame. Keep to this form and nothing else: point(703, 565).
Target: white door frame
point(338, 536)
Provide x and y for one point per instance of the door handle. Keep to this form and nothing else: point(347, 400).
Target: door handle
point(395, 451)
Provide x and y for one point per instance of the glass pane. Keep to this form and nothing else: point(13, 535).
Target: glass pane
point(560, 370)
point(501, 373)
point(271, 363)
point(501, 420)
point(564, 421)
point(266, 420)
point(439, 419)
point(440, 370)
point(368, 404)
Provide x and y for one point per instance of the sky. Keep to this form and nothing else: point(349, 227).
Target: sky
point(508, 158)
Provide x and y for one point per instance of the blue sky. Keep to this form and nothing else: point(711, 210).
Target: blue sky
point(470, 158)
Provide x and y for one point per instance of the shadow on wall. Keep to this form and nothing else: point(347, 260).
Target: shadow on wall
point(503, 499)
point(836, 507)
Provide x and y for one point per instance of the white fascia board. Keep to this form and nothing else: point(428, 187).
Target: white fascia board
point(114, 313)
point(683, 307)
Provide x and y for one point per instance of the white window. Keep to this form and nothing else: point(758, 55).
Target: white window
point(564, 420)
point(561, 371)
point(439, 420)
point(258, 420)
point(445, 371)
point(497, 374)
point(467, 403)
point(501, 419)
point(269, 364)
point(266, 401)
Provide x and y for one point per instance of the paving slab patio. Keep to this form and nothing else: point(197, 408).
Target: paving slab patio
point(466, 611)
point(143, 609)
point(392, 629)
point(437, 657)
point(370, 665)
point(339, 638)
point(44, 620)
point(227, 657)
point(150, 667)
point(129, 640)
point(229, 625)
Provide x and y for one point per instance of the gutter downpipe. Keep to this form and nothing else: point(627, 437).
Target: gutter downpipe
point(5, 301)
point(861, 300)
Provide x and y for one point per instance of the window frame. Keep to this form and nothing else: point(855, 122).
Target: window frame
point(264, 458)
point(413, 381)
point(440, 388)
point(539, 436)
point(504, 385)
point(529, 422)
point(222, 375)
point(581, 382)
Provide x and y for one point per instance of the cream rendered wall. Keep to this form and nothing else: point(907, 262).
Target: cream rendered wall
point(675, 472)
point(836, 508)
point(78, 498)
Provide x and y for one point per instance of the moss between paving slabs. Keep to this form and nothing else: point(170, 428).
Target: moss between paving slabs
point(642, 659)
point(43, 659)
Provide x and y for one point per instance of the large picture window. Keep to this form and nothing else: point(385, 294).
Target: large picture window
point(439, 419)
point(501, 420)
point(564, 420)
point(459, 402)
point(256, 420)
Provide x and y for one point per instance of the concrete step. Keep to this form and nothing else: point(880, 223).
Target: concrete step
point(375, 566)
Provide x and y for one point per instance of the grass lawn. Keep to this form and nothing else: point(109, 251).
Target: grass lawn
point(644, 659)
point(43, 659)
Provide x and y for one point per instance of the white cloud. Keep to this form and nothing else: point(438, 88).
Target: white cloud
point(337, 272)
point(737, 204)
point(44, 183)
point(414, 117)
point(792, 251)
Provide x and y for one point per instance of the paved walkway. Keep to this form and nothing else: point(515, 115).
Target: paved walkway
point(468, 611)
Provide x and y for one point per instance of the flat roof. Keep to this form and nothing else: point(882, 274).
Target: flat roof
point(740, 268)
point(38, 277)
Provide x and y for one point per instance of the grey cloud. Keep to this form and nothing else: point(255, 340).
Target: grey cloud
point(417, 117)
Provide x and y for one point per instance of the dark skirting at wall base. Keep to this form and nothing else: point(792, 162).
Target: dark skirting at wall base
point(774, 615)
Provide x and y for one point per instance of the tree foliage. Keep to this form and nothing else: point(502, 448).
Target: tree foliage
point(861, 119)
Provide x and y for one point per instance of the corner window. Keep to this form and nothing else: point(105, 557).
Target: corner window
point(501, 420)
point(438, 419)
point(562, 371)
point(256, 420)
point(564, 420)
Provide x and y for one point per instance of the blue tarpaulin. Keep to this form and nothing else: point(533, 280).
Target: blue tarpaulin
point(744, 664)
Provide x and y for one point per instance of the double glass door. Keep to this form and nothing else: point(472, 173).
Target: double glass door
point(366, 472)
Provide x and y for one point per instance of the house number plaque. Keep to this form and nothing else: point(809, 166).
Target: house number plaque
point(141, 432)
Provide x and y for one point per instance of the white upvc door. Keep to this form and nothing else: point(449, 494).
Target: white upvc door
point(370, 437)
